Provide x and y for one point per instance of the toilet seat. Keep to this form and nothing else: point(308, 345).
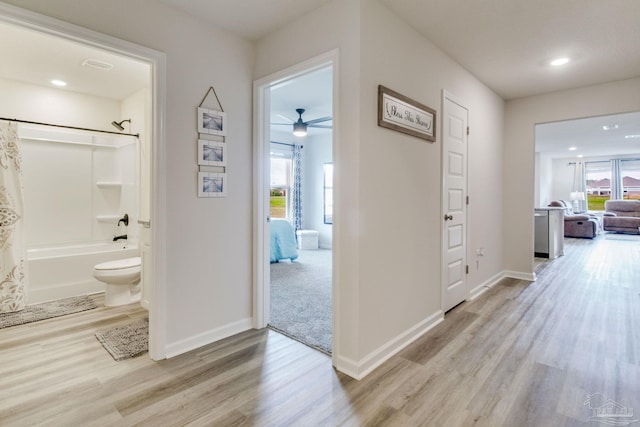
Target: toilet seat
point(119, 264)
point(119, 272)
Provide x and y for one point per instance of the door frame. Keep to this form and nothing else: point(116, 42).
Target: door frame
point(157, 61)
point(446, 95)
point(261, 126)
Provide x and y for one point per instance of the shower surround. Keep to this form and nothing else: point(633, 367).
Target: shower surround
point(77, 185)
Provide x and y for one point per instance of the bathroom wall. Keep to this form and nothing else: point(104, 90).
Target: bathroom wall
point(64, 204)
point(53, 105)
point(75, 192)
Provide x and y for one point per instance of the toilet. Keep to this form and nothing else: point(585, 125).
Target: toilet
point(122, 278)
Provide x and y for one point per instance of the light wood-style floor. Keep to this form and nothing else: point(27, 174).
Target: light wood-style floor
point(523, 354)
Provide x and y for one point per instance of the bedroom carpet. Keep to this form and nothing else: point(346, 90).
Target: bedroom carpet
point(301, 298)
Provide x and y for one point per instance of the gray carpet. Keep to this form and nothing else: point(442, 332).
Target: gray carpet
point(301, 298)
point(47, 310)
point(126, 341)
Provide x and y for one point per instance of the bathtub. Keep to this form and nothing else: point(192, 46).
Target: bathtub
point(65, 271)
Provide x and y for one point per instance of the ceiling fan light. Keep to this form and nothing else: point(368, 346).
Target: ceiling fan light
point(300, 129)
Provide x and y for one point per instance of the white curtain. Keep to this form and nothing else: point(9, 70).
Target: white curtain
point(579, 186)
point(12, 251)
point(616, 181)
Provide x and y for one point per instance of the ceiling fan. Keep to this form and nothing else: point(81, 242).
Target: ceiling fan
point(300, 126)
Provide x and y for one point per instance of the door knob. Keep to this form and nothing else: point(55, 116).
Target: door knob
point(448, 217)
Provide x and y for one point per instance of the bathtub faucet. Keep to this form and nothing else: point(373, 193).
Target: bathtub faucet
point(121, 237)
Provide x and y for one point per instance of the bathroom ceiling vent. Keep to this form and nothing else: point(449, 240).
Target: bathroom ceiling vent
point(94, 63)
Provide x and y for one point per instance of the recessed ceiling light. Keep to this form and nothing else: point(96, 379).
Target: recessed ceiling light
point(573, 148)
point(609, 127)
point(58, 83)
point(631, 136)
point(580, 155)
point(559, 61)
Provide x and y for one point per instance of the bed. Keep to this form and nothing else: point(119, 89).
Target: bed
point(283, 241)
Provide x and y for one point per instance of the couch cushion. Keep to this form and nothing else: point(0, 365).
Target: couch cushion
point(623, 208)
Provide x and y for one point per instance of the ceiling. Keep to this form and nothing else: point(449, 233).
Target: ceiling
point(507, 44)
point(589, 136)
point(36, 58)
point(250, 19)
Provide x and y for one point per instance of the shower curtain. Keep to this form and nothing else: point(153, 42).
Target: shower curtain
point(12, 250)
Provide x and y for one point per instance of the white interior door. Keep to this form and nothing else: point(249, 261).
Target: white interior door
point(454, 203)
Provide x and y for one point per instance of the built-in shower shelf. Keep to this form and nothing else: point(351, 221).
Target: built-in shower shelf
point(108, 218)
point(109, 184)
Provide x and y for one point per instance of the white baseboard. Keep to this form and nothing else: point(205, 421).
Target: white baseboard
point(208, 337)
point(530, 277)
point(487, 284)
point(360, 369)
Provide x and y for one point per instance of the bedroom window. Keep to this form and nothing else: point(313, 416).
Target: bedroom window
point(280, 188)
point(328, 193)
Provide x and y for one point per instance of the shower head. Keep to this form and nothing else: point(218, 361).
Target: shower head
point(118, 125)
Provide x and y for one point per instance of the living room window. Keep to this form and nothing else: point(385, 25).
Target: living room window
point(630, 171)
point(598, 177)
point(603, 177)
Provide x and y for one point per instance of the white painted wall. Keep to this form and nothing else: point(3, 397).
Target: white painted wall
point(521, 115)
point(401, 243)
point(53, 105)
point(543, 180)
point(388, 254)
point(209, 258)
point(317, 152)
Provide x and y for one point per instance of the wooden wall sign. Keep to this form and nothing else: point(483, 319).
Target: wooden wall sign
point(403, 114)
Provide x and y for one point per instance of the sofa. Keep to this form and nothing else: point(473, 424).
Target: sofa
point(622, 216)
point(577, 225)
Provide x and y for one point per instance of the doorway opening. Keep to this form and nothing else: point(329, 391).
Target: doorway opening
point(294, 223)
point(143, 108)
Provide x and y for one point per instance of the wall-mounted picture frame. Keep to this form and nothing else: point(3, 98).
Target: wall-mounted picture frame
point(212, 153)
point(403, 114)
point(212, 184)
point(212, 122)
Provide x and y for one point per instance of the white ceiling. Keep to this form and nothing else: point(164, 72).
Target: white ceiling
point(589, 137)
point(251, 19)
point(505, 43)
point(508, 43)
point(36, 58)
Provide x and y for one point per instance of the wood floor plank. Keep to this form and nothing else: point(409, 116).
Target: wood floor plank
point(522, 354)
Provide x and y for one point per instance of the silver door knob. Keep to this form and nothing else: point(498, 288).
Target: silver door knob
point(448, 217)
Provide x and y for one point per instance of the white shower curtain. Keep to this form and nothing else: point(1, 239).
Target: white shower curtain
point(12, 251)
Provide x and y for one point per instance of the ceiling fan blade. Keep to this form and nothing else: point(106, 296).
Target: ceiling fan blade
point(321, 126)
point(281, 124)
point(321, 119)
point(282, 116)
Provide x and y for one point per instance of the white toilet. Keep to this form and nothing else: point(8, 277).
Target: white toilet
point(122, 278)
